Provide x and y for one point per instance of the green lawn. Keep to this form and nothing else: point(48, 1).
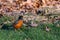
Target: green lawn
point(37, 33)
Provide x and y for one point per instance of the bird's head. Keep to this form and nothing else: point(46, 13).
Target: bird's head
point(20, 17)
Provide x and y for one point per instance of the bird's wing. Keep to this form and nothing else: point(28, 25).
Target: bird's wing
point(15, 22)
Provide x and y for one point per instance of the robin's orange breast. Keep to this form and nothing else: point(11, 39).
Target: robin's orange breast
point(18, 24)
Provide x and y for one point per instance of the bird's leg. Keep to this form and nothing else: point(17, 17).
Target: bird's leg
point(18, 29)
point(15, 29)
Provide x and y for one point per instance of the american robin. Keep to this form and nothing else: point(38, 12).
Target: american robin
point(18, 24)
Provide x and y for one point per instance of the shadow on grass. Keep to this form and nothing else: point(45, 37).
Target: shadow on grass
point(7, 27)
